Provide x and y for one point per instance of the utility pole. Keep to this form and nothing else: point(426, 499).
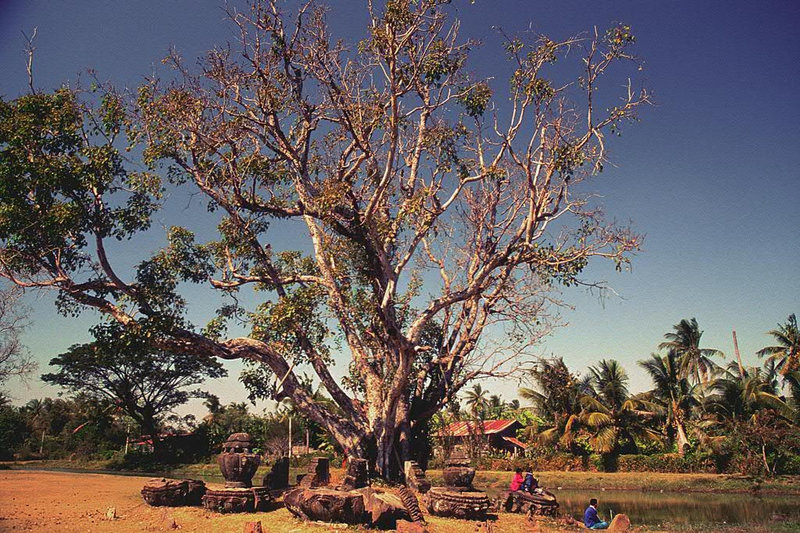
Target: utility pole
point(290, 436)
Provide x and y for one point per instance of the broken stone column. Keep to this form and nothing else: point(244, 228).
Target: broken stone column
point(278, 476)
point(357, 475)
point(318, 473)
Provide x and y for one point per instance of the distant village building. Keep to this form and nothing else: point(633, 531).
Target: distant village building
point(500, 435)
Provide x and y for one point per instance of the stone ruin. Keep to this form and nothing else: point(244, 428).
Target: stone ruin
point(162, 492)
point(278, 478)
point(357, 474)
point(415, 477)
point(458, 498)
point(319, 474)
point(238, 465)
point(353, 502)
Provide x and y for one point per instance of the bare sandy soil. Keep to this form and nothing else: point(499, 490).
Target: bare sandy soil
point(75, 502)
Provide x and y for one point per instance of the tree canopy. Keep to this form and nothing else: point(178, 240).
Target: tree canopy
point(436, 206)
point(144, 382)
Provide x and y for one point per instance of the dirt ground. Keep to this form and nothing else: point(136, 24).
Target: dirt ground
point(73, 502)
point(76, 502)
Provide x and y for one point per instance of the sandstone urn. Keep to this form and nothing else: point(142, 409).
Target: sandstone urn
point(237, 461)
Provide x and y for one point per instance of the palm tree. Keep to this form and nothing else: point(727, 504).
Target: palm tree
point(787, 350)
point(673, 393)
point(495, 406)
point(477, 400)
point(556, 400)
point(615, 419)
point(694, 360)
point(740, 397)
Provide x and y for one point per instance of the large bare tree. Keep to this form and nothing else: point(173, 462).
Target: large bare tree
point(439, 218)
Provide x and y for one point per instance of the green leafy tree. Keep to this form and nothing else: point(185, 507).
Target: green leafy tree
point(695, 362)
point(122, 367)
point(786, 351)
point(386, 159)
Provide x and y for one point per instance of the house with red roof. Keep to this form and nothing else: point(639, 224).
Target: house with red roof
point(499, 435)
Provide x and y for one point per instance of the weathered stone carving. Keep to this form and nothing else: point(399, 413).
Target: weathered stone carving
point(458, 473)
point(318, 473)
point(365, 506)
point(411, 504)
point(173, 492)
point(383, 509)
point(357, 475)
point(415, 477)
point(278, 477)
point(458, 499)
point(237, 500)
point(326, 505)
point(237, 463)
point(541, 503)
point(451, 502)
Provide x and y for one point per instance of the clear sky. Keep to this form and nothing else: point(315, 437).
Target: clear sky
point(710, 175)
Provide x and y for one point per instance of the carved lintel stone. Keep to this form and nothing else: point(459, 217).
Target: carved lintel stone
point(326, 505)
point(542, 504)
point(173, 492)
point(237, 500)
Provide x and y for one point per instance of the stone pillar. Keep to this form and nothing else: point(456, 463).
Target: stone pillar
point(318, 473)
point(278, 477)
point(357, 475)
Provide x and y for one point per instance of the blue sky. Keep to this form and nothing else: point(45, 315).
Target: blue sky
point(710, 175)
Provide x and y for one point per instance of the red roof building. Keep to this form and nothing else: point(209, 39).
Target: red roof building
point(498, 434)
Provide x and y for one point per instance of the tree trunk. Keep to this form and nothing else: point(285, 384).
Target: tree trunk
point(683, 440)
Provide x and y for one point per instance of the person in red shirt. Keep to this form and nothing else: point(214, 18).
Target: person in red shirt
point(516, 481)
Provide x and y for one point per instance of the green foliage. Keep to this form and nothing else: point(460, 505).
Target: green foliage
point(786, 351)
point(12, 431)
point(476, 98)
point(53, 176)
point(122, 366)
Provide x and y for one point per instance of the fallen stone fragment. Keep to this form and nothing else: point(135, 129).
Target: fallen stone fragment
point(383, 508)
point(253, 527)
point(173, 492)
point(620, 524)
point(111, 514)
point(326, 505)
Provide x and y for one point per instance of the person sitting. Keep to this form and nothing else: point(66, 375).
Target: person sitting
point(516, 481)
point(590, 518)
point(531, 483)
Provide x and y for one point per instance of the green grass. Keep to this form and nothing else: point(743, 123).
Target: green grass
point(639, 481)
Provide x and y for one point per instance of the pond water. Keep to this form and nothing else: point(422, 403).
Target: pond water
point(682, 509)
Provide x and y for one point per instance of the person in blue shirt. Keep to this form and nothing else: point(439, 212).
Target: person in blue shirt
point(590, 518)
point(531, 483)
